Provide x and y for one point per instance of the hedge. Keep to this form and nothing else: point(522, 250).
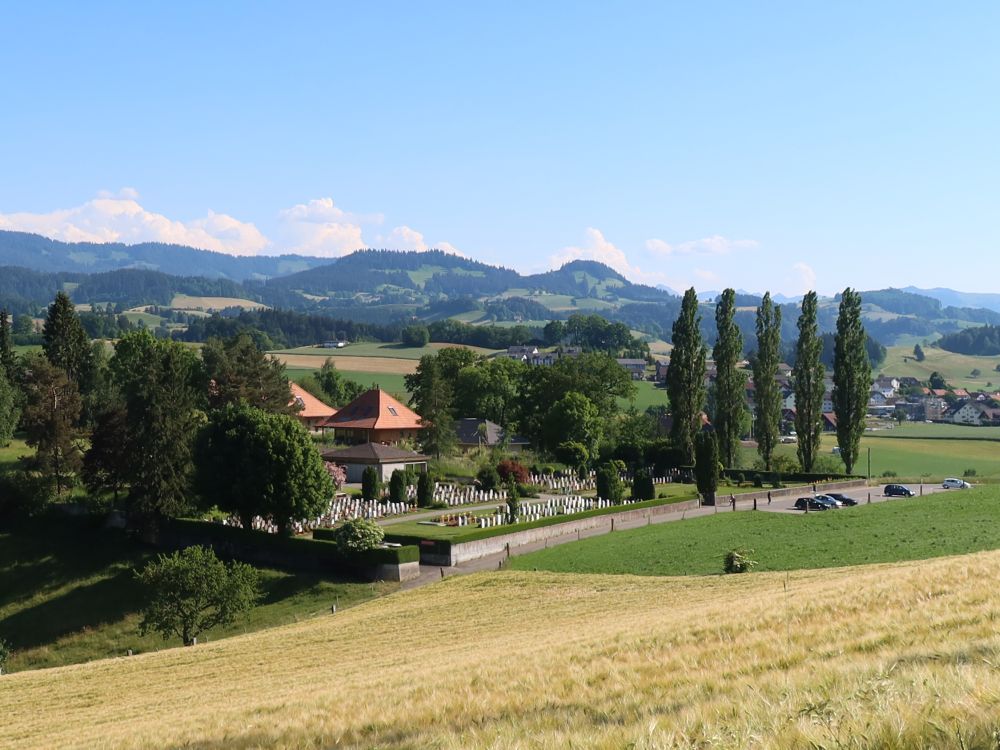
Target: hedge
point(792, 476)
point(316, 549)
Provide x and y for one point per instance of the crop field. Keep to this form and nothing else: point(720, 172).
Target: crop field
point(356, 364)
point(387, 381)
point(147, 319)
point(380, 350)
point(187, 302)
point(894, 656)
point(67, 595)
point(956, 369)
point(933, 526)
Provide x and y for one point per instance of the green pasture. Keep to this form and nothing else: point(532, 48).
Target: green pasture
point(376, 349)
point(956, 369)
point(389, 382)
point(951, 523)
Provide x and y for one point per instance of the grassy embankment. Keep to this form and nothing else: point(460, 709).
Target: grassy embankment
point(886, 656)
point(934, 526)
point(67, 595)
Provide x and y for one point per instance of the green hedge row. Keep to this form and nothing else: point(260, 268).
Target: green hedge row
point(443, 546)
point(794, 477)
point(319, 548)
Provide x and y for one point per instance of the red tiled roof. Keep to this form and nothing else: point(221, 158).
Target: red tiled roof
point(312, 407)
point(375, 410)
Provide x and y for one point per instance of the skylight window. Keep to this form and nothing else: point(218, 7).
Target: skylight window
point(392, 411)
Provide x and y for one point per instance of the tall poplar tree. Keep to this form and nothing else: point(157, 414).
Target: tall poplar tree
point(730, 382)
point(6, 345)
point(64, 340)
point(767, 395)
point(686, 377)
point(852, 377)
point(809, 386)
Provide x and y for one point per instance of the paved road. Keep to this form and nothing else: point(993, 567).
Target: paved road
point(431, 573)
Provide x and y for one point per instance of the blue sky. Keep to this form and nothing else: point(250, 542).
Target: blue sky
point(780, 146)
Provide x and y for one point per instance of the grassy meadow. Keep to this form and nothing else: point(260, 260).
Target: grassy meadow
point(948, 523)
point(886, 656)
point(67, 595)
point(956, 369)
point(10, 454)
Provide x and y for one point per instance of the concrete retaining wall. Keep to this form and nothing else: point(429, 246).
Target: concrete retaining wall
point(402, 572)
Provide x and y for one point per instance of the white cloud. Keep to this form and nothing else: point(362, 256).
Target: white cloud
point(807, 277)
point(705, 275)
point(405, 238)
point(122, 219)
point(601, 249)
point(714, 245)
point(447, 247)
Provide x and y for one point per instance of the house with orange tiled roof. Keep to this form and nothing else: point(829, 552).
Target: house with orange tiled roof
point(311, 411)
point(374, 417)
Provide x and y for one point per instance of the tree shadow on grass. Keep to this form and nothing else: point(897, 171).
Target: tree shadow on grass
point(91, 606)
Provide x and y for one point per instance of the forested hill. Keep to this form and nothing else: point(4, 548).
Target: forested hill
point(39, 253)
point(983, 341)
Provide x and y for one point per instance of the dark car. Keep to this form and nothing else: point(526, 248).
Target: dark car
point(897, 490)
point(810, 503)
point(842, 499)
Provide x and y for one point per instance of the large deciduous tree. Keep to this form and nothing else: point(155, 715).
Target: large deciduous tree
point(574, 418)
point(852, 378)
point(730, 381)
point(65, 341)
point(686, 377)
point(252, 462)
point(767, 394)
point(338, 389)
point(490, 390)
point(809, 384)
point(239, 371)
point(192, 591)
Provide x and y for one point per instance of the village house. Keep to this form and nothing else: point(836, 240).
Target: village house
point(311, 412)
point(975, 413)
point(374, 417)
point(634, 367)
point(475, 433)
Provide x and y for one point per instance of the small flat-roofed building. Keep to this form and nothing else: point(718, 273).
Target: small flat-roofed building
point(386, 458)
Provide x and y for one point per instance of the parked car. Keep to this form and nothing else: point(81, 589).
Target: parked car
point(952, 483)
point(842, 499)
point(828, 500)
point(897, 490)
point(811, 503)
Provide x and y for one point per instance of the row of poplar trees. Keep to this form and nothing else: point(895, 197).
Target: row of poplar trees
point(852, 380)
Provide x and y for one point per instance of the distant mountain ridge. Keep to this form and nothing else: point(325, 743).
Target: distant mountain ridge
point(952, 298)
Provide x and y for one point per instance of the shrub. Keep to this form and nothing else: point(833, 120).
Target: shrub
point(338, 474)
point(415, 336)
point(969, 473)
point(23, 494)
point(488, 477)
point(738, 561)
point(358, 535)
point(609, 484)
point(425, 490)
point(513, 502)
point(888, 473)
point(509, 468)
point(758, 480)
point(5, 652)
point(739, 478)
point(642, 485)
point(397, 486)
point(371, 484)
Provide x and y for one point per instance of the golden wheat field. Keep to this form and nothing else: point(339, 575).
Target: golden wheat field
point(887, 656)
point(353, 364)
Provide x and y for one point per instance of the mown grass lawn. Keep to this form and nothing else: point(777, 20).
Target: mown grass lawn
point(67, 595)
point(913, 529)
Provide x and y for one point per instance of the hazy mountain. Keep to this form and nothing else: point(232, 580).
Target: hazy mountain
point(953, 298)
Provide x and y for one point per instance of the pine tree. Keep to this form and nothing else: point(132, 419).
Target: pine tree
point(6, 345)
point(64, 340)
point(438, 434)
point(730, 382)
point(809, 385)
point(239, 371)
point(164, 385)
point(852, 378)
point(686, 377)
point(51, 410)
point(767, 395)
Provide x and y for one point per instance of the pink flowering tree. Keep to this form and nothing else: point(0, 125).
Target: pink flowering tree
point(337, 473)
